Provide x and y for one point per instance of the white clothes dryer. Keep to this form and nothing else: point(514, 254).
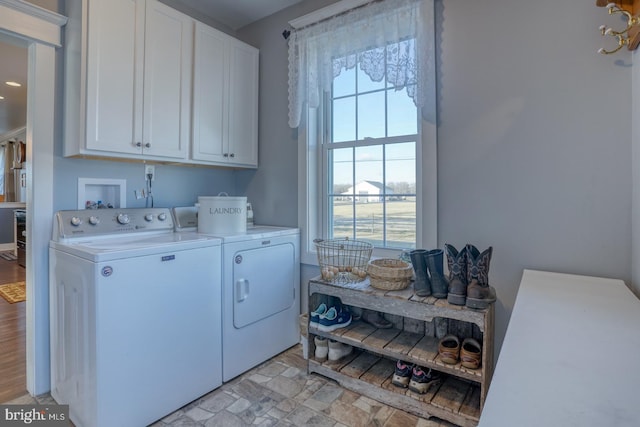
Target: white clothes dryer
point(260, 292)
point(135, 316)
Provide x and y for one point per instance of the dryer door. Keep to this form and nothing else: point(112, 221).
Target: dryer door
point(263, 282)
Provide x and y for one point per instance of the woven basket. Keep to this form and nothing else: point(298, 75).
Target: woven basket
point(389, 274)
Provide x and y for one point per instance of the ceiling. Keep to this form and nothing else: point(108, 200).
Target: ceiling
point(237, 13)
point(13, 56)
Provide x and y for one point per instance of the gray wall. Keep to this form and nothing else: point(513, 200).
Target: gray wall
point(172, 186)
point(6, 225)
point(533, 138)
point(635, 159)
point(272, 189)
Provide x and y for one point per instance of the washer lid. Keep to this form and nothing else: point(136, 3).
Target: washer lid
point(105, 249)
point(259, 232)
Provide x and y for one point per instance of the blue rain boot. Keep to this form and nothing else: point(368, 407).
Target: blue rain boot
point(422, 285)
point(439, 285)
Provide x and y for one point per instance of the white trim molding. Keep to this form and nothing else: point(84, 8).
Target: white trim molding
point(326, 12)
point(28, 21)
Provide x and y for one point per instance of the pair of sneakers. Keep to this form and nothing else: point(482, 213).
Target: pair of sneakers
point(416, 378)
point(330, 349)
point(328, 319)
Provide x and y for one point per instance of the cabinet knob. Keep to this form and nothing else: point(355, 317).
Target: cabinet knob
point(232, 155)
point(225, 155)
point(147, 145)
point(138, 144)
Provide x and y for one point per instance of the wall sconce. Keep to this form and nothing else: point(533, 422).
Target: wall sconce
point(629, 37)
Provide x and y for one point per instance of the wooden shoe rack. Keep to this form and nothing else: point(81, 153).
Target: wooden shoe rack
point(419, 323)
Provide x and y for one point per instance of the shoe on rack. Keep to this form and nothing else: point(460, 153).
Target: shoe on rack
point(322, 349)
point(402, 374)
point(421, 380)
point(338, 350)
point(471, 353)
point(457, 264)
point(314, 316)
point(334, 318)
point(449, 349)
point(479, 293)
point(376, 319)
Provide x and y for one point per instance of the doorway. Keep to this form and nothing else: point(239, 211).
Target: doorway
point(40, 31)
point(13, 115)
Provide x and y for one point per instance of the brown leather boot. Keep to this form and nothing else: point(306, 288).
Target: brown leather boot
point(479, 293)
point(457, 264)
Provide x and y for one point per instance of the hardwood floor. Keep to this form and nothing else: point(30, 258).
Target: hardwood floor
point(13, 327)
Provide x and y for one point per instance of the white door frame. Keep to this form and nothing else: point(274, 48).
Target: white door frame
point(41, 31)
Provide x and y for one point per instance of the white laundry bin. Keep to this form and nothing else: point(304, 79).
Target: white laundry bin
point(222, 214)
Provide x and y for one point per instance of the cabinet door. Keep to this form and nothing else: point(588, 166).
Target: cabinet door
point(209, 97)
point(167, 81)
point(114, 65)
point(243, 103)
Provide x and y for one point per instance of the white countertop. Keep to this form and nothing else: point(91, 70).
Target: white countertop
point(571, 355)
point(11, 205)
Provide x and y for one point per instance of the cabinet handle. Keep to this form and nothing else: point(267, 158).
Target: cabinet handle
point(138, 144)
point(225, 155)
point(232, 155)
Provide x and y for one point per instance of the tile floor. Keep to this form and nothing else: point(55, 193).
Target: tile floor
point(280, 393)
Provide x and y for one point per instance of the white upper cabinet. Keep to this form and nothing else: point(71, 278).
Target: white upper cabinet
point(134, 68)
point(225, 100)
point(141, 83)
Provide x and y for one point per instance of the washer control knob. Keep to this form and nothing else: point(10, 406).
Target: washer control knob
point(94, 220)
point(123, 218)
point(76, 221)
point(162, 216)
point(148, 217)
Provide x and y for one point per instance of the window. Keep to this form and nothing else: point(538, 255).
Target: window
point(370, 149)
point(362, 95)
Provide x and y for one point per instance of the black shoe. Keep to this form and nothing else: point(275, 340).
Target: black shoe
point(376, 319)
point(402, 374)
point(421, 380)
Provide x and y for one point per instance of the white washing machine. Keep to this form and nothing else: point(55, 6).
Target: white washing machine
point(136, 326)
point(260, 292)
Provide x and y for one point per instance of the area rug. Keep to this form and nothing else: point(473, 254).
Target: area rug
point(13, 292)
point(8, 255)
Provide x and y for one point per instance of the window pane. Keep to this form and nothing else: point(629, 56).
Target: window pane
point(371, 116)
point(345, 83)
point(401, 222)
point(342, 166)
point(344, 119)
point(369, 172)
point(370, 220)
point(342, 218)
point(401, 113)
point(400, 164)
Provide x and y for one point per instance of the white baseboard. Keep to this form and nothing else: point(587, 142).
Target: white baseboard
point(7, 247)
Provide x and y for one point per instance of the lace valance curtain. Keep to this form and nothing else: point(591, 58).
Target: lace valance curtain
point(320, 52)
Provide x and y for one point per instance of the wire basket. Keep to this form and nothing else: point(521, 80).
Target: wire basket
point(343, 260)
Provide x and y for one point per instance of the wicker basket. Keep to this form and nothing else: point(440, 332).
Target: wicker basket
point(389, 274)
point(343, 260)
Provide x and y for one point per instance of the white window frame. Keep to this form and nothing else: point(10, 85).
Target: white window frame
point(311, 201)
